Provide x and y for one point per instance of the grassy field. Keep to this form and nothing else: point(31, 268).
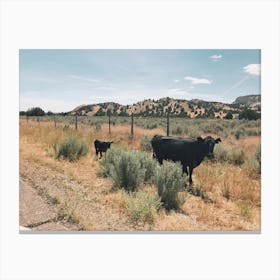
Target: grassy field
point(226, 194)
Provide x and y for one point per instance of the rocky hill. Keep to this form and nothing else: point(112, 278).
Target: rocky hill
point(249, 100)
point(194, 108)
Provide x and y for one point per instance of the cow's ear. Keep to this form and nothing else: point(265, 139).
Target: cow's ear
point(112, 142)
point(218, 140)
point(199, 139)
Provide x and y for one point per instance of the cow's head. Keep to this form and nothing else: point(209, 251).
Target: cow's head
point(109, 144)
point(208, 144)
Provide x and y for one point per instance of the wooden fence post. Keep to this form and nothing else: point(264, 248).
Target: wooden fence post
point(38, 120)
point(54, 121)
point(109, 114)
point(76, 121)
point(132, 132)
point(167, 125)
point(26, 118)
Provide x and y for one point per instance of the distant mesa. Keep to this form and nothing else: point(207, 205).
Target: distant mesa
point(195, 108)
point(249, 100)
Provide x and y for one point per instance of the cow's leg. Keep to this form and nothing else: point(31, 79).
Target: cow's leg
point(100, 155)
point(190, 178)
point(96, 151)
point(185, 168)
point(160, 160)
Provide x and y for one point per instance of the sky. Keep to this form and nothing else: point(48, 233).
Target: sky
point(60, 80)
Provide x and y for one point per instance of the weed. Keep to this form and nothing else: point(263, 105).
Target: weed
point(142, 206)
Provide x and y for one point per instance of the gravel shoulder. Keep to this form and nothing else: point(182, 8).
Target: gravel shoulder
point(50, 200)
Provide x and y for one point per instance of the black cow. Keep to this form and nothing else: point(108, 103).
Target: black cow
point(101, 147)
point(190, 152)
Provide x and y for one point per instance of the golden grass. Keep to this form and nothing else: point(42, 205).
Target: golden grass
point(231, 194)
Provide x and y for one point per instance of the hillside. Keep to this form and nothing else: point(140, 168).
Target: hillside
point(194, 108)
point(249, 100)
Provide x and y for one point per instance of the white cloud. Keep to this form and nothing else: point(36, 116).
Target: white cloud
point(253, 69)
point(197, 81)
point(216, 57)
point(175, 81)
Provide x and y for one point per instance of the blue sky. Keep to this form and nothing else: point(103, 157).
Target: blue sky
point(59, 80)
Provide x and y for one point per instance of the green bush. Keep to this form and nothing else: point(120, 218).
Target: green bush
point(170, 181)
point(129, 169)
point(71, 148)
point(249, 114)
point(145, 143)
point(228, 116)
point(148, 164)
point(142, 206)
point(231, 155)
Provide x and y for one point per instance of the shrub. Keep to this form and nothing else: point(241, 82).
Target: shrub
point(129, 169)
point(142, 206)
point(127, 173)
point(249, 114)
point(170, 182)
point(232, 155)
point(71, 148)
point(148, 164)
point(228, 116)
point(145, 143)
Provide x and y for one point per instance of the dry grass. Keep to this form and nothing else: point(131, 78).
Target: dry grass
point(230, 200)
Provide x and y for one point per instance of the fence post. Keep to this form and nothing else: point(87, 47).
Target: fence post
point(109, 114)
point(26, 118)
point(54, 121)
point(132, 132)
point(38, 120)
point(76, 121)
point(167, 125)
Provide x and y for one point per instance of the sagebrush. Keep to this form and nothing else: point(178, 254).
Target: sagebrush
point(170, 181)
point(129, 168)
point(71, 148)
